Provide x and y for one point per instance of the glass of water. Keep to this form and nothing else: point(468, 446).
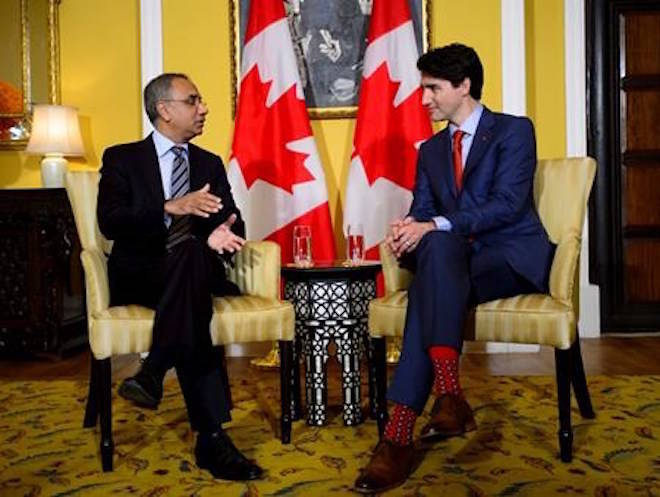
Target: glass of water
point(354, 244)
point(302, 245)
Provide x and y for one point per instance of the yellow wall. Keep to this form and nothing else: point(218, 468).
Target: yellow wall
point(100, 57)
point(544, 34)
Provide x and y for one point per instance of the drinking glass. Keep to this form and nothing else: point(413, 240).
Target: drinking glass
point(302, 245)
point(354, 244)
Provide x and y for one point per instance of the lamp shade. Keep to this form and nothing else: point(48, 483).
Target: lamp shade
point(55, 129)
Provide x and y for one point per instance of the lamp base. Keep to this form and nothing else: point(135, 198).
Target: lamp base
point(53, 169)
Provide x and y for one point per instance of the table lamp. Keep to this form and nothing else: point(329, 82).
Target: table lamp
point(55, 133)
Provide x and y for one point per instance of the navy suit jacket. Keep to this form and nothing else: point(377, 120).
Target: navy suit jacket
point(496, 205)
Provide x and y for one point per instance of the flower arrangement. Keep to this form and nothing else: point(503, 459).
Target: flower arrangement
point(11, 102)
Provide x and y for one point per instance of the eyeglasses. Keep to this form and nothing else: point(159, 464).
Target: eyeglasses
point(192, 100)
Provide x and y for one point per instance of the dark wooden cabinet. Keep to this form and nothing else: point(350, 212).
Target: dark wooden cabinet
point(42, 294)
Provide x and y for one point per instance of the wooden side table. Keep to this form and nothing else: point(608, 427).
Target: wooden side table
point(331, 302)
point(42, 294)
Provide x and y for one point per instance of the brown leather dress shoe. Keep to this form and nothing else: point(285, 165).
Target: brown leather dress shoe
point(389, 467)
point(451, 416)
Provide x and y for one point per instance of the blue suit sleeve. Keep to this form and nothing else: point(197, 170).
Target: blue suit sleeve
point(513, 176)
point(423, 207)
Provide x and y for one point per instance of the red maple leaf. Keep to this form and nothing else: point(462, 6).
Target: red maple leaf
point(385, 136)
point(261, 134)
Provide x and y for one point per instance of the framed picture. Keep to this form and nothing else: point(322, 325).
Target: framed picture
point(329, 40)
point(29, 66)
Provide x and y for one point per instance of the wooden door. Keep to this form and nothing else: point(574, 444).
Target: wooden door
point(624, 136)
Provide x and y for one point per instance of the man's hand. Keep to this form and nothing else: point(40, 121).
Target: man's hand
point(198, 203)
point(222, 238)
point(404, 235)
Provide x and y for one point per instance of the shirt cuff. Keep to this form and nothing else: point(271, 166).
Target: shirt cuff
point(442, 223)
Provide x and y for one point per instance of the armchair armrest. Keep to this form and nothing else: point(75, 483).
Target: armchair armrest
point(96, 280)
point(256, 269)
point(563, 272)
point(396, 278)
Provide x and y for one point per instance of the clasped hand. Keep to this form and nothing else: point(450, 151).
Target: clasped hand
point(198, 203)
point(222, 238)
point(404, 235)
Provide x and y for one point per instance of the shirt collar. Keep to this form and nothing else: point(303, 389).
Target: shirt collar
point(164, 144)
point(471, 123)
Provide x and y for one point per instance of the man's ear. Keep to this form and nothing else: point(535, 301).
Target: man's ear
point(163, 112)
point(465, 85)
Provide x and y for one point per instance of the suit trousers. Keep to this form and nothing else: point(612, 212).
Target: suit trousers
point(451, 275)
point(180, 287)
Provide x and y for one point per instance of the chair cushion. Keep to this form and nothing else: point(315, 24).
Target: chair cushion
point(534, 318)
point(120, 330)
point(387, 315)
point(127, 329)
point(251, 319)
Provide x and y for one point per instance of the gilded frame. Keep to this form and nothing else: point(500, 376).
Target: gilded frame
point(52, 70)
point(334, 112)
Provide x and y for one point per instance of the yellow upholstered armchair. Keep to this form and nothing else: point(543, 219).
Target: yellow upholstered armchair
point(561, 191)
point(257, 315)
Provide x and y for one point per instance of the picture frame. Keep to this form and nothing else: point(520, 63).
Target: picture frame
point(329, 41)
point(29, 72)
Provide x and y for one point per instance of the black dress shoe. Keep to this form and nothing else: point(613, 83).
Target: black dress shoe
point(145, 389)
point(216, 453)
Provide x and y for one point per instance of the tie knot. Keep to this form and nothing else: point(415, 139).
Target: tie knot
point(458, 136)
point(178, 151)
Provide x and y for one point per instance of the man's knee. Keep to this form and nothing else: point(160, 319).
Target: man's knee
point(441, 244)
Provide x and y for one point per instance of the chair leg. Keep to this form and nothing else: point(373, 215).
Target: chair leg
point(105, 408)
point(286, 360)
point(565, 434)
point(92, 406)
point(379, 382)
point(579, 381)
point(296, 406)
point(371, 366)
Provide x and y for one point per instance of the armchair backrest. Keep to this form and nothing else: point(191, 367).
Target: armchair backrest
point(82, 187)
point(256, 268)
point(561, 192)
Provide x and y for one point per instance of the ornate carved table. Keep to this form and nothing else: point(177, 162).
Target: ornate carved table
point(42, 295)
point(331, 301)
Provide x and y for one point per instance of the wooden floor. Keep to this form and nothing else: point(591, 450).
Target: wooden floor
point(608, 355)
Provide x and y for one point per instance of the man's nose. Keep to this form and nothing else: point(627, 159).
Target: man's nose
point(426, 98)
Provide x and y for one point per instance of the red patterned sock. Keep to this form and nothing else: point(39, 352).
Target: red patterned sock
point(445, 370)
point(399, 429)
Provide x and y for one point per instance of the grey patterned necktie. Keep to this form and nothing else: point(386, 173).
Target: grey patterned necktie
point(180, 185)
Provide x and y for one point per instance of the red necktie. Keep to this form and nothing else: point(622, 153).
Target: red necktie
point(457, 156)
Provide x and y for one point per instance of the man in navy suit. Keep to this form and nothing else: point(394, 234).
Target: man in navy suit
point(472, 235)
point(168, 207)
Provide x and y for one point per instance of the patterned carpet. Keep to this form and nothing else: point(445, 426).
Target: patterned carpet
point(44, 451)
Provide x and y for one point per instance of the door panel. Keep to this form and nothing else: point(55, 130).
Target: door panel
point(642, 271)
point(642, 37)
point(641, 198)
point(642, 123)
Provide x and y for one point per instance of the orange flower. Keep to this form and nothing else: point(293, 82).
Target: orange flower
point(11, 98)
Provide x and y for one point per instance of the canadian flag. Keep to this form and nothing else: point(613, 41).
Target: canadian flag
point(391, 125)
point(274, 170)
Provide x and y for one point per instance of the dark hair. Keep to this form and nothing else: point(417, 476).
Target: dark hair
point(159, 89)
point(454, 62)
